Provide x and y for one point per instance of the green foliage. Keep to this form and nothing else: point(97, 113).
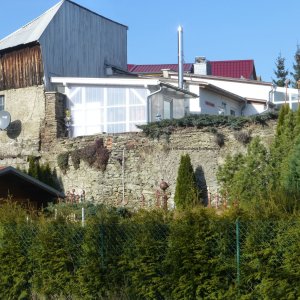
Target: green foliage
point(280, 72)
point(187, 254)
point(296, 67)
point(186, 192)
point(244, 178)
point(63, 161)
point(199, 261)
point(242, 136)
point(265, 175)
point(55, 256)
point(291, 174)
point(43, 173)
point(166, 127)
point(75, 157)
point(226, 173)
point(250, 180)
point(15, 267)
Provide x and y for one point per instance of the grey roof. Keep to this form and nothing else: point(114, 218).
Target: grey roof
point(32, 31)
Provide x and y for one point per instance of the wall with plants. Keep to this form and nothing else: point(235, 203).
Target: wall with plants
point(127, 169)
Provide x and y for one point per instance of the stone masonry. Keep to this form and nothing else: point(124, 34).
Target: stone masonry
point(39, 131)
point(146, 162)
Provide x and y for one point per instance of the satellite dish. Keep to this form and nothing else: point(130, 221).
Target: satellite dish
point(4, 119)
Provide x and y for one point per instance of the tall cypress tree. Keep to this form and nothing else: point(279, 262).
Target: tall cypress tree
point(280, 72)
point(186, 192)
point(296, 67)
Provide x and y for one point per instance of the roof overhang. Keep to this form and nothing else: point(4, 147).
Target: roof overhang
point(197, 77)
point(130, 82)
point(222, 92)
point(178, 91)
point(30, 180)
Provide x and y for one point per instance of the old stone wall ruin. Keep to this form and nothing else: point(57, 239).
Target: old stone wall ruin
point(136, 164)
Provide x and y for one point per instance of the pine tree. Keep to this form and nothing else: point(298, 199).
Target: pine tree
point(226, 173)
point(291, 174)
point(296, 67)
point(250, 181)
point(186, 192)
point(280, 72)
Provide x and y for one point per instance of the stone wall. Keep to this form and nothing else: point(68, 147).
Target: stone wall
point(22, 137)
point(38, 127)
point(54, 121)
point(146, 163)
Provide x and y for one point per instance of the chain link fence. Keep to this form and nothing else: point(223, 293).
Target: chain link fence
point(191, 258)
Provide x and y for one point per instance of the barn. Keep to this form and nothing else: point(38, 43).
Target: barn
point(67, 40)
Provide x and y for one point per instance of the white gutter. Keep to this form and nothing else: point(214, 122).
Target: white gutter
point(148, 103)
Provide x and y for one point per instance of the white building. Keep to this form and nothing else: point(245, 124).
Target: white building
point(115, 105)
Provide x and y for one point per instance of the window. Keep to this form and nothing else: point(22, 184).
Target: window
point(232, 112)
point(1, 102)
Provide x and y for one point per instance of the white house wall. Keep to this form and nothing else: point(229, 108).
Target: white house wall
point(254, 108)
point(214, 104)
point(78, 43)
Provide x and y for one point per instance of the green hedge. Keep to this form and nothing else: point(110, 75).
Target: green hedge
point(166, 127)
point(189, 254)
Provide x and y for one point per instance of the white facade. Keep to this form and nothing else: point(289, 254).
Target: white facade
point(115, 105)
point(213, 101)
point(257, 94)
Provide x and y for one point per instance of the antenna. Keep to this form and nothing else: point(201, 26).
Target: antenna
point(4, 119)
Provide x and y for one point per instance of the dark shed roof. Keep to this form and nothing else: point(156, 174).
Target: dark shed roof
point(22, 186)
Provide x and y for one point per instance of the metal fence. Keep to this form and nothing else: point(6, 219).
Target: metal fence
point(198, 260)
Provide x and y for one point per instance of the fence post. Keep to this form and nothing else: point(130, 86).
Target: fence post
point(237, 233)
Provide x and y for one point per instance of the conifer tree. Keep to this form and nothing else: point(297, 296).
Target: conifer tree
point(296, 67)
point(280, 72)
point(250, 181)
point(186, 192)
point(226, 173)
point(291, 174)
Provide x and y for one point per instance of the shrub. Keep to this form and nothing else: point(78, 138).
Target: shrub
point(63, 161)
point(220, 139)
point(96, 154)
point(166, 127)
point(75, 157)
point(186, 192)
point(42, 172)
point(243, 137)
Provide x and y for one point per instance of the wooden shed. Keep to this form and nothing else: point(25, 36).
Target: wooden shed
point(26, 189)
point(67, 40)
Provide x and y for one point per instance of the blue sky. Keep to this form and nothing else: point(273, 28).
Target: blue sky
point(216, 29)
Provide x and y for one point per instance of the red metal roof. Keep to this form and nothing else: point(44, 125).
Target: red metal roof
point(233, 69)
point(227, 68)
point(147, 69)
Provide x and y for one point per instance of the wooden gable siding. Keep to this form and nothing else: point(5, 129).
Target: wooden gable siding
point(21, 68)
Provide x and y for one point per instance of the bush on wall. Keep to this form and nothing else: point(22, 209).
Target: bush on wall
point(95, 155)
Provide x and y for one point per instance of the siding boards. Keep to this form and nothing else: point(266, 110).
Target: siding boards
point(78, 43)
point(21, 68)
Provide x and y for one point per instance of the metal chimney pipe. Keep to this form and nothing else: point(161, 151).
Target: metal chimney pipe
point(180, 57)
